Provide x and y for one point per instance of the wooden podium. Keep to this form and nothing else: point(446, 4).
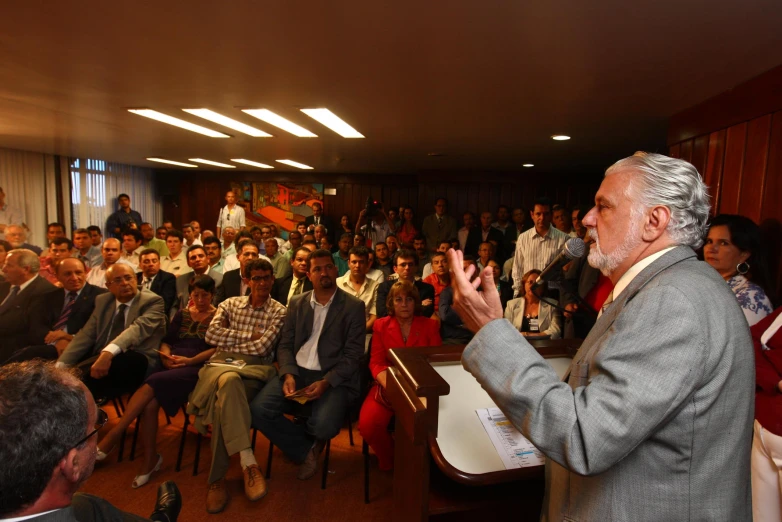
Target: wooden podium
point(468, 474)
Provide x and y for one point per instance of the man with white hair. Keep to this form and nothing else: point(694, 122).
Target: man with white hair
point(654, 419)
point(18, 296)
point(8, 215)
point(17, 236)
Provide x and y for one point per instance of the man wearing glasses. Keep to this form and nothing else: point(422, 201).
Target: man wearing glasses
point(245, 330)
point(117, 347)
point(320, 348)
point(48, 424)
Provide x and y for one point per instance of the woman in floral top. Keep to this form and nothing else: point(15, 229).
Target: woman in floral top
point(733, 248)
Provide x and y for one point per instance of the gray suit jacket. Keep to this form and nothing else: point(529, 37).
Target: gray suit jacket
point(341, 341)
point(183, 290)
point(655, 421)
point(146, 327)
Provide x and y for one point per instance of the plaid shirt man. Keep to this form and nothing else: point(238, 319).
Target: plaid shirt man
point(236, 320)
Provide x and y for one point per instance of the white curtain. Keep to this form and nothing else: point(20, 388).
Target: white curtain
point(30, 182)
point(95, 185)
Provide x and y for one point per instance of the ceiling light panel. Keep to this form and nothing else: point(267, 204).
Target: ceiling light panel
point(333, 122)
point(253, 163)
point(560, 137)
point(165, 118)
point(294, 164)
point(225, 121)
point(528, 165)
point(280, 122)
point(179, 163)
point(210, 162)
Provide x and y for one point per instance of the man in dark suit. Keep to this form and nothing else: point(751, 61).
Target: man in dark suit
point(118, 346)
point(17, 294)
point(405, 268)
point(584, 290)
point(234, 285)
point(322, 343)
point(484, 233)
point(56, 316)
point(49, 427)
point(154, 279)
point(199, 262)
point(318, 218)
point(296, 283)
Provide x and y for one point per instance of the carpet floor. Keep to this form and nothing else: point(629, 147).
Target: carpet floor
point(288, 499)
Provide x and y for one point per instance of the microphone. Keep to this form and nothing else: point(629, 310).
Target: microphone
point(574, 249)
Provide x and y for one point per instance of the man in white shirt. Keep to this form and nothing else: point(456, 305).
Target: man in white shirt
point(322, 342)
point(190, 235)
point(469, 224)
point(176, 260)
point(231, 215)
point(538, 246)
point(357, 284)
point(132, 246)
point(9, 215)
point(229, 246)
point(112, 254)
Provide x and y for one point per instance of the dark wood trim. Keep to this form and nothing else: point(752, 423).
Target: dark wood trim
point(756, 97)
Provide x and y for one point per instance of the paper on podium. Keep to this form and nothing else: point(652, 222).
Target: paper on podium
point(514, 449)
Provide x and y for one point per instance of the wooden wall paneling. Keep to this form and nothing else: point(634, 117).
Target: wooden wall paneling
point(754, 168)
point(715, 158)
point(700, 150)
point(675, 151)
point(686, 153)
point(772, 194)
point(731, 172)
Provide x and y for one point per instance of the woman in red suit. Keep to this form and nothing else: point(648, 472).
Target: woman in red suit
point(402, 328)
point(767, 443)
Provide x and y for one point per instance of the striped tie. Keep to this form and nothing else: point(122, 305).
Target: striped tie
point(66, 312)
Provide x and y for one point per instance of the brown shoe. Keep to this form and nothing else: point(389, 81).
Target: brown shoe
point(310, 465)
point(254, 483)
point(216, 497)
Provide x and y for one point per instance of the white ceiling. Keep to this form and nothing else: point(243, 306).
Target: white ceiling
point(484, 83)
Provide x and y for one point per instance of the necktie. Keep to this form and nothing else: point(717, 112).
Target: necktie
point(146, 284)
point(297, 289)
point(118, 325)
point(66, 312)
point(317, 221)
point(10, 299)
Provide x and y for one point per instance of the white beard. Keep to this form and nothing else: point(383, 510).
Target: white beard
point(608, 262)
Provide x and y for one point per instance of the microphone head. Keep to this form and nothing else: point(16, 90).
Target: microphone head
point(574, 248)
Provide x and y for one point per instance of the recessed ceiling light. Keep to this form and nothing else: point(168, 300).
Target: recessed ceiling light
point(165, 118)
point(560, 137)
point(253, 163)
point(210, 162)
point(278, 121)
point(333, 122)
point(294, 164)
point(528, 165)
point(228, 122)
point(161, 160)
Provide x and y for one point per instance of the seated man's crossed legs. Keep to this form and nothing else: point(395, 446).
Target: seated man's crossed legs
point(304, 442)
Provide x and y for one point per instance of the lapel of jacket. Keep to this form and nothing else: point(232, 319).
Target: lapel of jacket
point(544, 310)
point(135, 306)
point(306, 316)
point(606, 320)
point(104, 321)
point(334, 310)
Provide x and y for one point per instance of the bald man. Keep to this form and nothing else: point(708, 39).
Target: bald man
point(116, 349)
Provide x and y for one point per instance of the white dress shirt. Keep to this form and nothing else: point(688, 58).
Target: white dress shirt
point(307, 357)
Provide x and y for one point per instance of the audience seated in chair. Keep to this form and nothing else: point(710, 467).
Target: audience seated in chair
point(443, 247)
point(131, 246)
point(483, 233)
point(176, 260)
point(150, 241)
point(532, 316)
point(503, 287)
point(357, 284)
point(440, 279)
point(243, 329)
point(452, 328)
point(383, 260)
point(17, 236)
point(199, 265)
point(112, 254)
point(155, 280)
point(400, 329)
point(117, 347)
point(18, 296)
point(296, 283)
point(59, 248)
point(583, 291)
point(234, 285)
point(53, 231)
point(280, 263)
point(405, 269)
point(321, 345)
point(214, 253)
point(342, 256)
point(234, 262)
point(49, 424)
point(373, 273)
point(84, 250)
point(182, 354)
point(424, 256)
point(57, 316)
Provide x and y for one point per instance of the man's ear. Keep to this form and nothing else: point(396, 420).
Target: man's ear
point(656, 222)
point(72, 466)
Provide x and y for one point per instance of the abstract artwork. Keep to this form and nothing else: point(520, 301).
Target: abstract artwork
point(284, 204)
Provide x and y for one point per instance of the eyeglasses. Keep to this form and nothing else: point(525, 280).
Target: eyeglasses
point(101, 421)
